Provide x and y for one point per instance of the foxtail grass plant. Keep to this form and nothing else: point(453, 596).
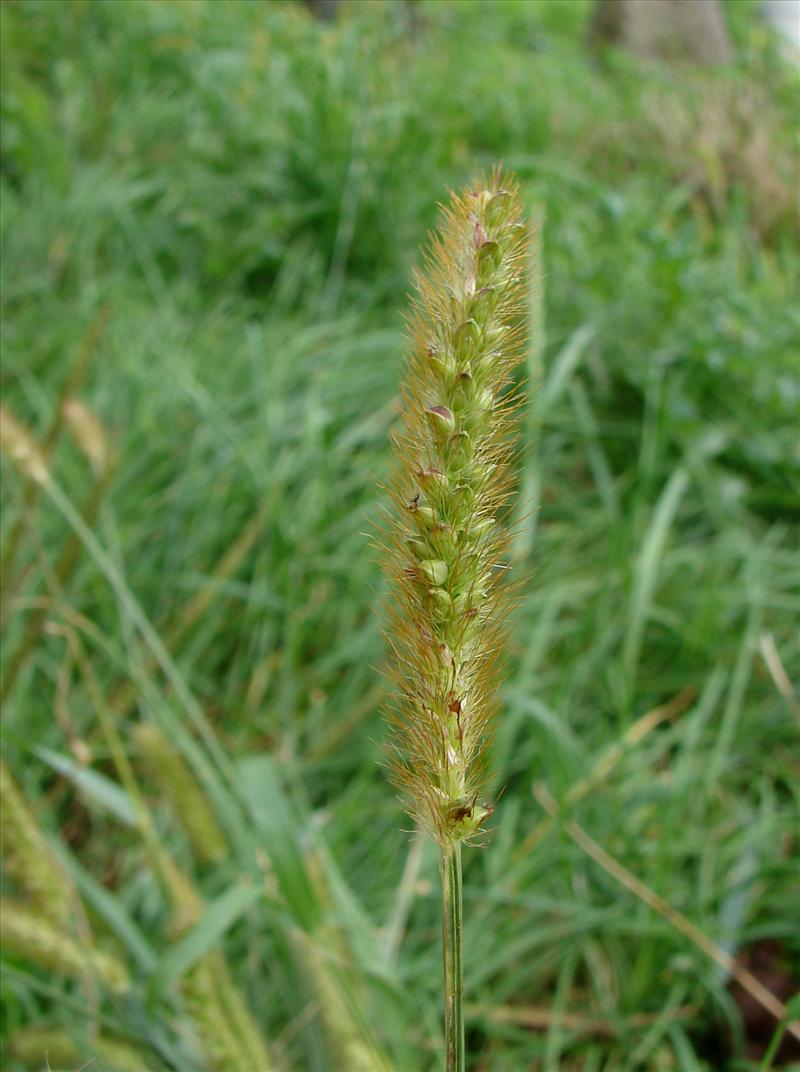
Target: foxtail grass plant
point(446, 544)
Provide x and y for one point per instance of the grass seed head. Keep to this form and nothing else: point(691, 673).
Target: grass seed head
point(41, 1047)
point(21, 448)
point(88, 433)
point(35, 939)
point(451, 480)
point(27, 857)
point(177, 784)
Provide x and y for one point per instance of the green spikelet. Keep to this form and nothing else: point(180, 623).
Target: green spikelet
point(349, 1035)
point(35, 939)
point(187, 904)
point(446, 555)
point(230, 1040)
point(224, 1025)
point(119, 1057)
point(326, 961)
point(27, 857)
point(169, 771)
point(251, 1044)
point(218, 1043)
point(47, 1048)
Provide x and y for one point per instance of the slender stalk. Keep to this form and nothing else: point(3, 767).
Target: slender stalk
point(452, 943)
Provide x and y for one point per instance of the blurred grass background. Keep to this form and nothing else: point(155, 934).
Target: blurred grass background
point(210, 213)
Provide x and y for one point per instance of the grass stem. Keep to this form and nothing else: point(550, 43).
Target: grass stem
point(452, 933)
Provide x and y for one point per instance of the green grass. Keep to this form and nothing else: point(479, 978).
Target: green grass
point(231, 199)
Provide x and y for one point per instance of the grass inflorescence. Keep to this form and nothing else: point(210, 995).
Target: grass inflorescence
point(220, 285)
point(447, 556)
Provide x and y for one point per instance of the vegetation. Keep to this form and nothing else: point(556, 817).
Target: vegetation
point(209, 217)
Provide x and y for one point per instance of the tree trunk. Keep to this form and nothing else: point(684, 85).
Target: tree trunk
point(323, 9)
point(688, 30)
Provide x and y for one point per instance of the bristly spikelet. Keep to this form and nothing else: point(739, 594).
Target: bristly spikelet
point(34, 938)
point(42, 1047)
point(179, 787)
point(445, 559)
point(27, 856)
